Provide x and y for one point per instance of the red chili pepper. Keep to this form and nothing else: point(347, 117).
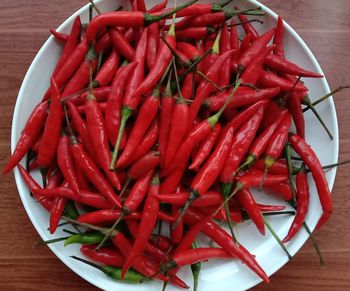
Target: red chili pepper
point(149, 218)
point(277, 142)
point(150, 249)
point(205, 148)
point(101, 95)
point(107, 256)
point(91, 171)
point(188, 49)
point(158, 7)
point(72, 42)
point(59, 36)
point(81, 77)
point(166, 112)
point(302, 205)
point(195, 33)
point(225, 45)
point(172, 180)
point(146, 115)
point(210, 198)
point(242, 98)
point(210, 171)
point(245, 44)
point(248, 202)
point(257, 47)
point(177, 131)
point(82, 181)
point(234, 41)
point(29, 136)
point(106, 215)
point(80, 126)
point(52, 130)
point(193, 256)
point(114, 103)
point(127, 19)
point(248, 27)
point(147, 142)
point(281, 65)
point(85, 197)
point(310, 158)
point(278, 38)
point(210, 59)
point(120, 42)
point(207, 19)
point(222, 238)
point(270, 208)
point(191, 235)
point(196, 135)
point(254, 69)
point(98, 135)
point(70, 66)
point(104, 44)
point(141, 264)
point(282, 190)
point(244, 116)
point(261, 142)
point(240, 145)
point(138, 192)
point(205, 88)
point(143, 165)
point(279, 167)
point(152, 45)
point(176, 233)
point(273, 111)
point(253, 178)
point(130, 101)
point(163, 59)
point(33, 185)
point(65, 163)
point(108, 70)
point(101, 105)
point(161, 241)
point(269, 79)
point(294, 106)
point(56, 211)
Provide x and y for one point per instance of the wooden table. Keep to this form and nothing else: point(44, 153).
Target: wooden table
point(323, 24)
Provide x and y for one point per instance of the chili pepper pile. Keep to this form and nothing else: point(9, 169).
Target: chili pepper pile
point(147, 125)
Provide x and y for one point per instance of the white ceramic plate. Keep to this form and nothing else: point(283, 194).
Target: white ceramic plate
point(216, 274)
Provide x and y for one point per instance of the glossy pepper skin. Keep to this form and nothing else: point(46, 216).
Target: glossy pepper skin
point(300, 146)
point(52, 130)
point(302, 195)
point(29, 136)
point(149, 218)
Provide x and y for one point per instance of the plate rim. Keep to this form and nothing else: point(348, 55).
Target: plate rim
point(22, 188)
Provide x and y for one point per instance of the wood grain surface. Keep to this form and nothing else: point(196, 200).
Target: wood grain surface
point(323, 24)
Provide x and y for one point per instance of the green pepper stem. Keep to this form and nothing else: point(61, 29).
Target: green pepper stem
point(226, 188)
point(95, 6)
point(244, 22)
point(288, 154)
point(326, 96)
point(315, 244)
point(90, 226)
point(193, 196)
point(110, 231)
point(149, 19)
point(314, 111)
point(126, 113)
point(88, 263)
point(274, 234)
point(194, 64)
point(51, 241)
point(215, 118)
